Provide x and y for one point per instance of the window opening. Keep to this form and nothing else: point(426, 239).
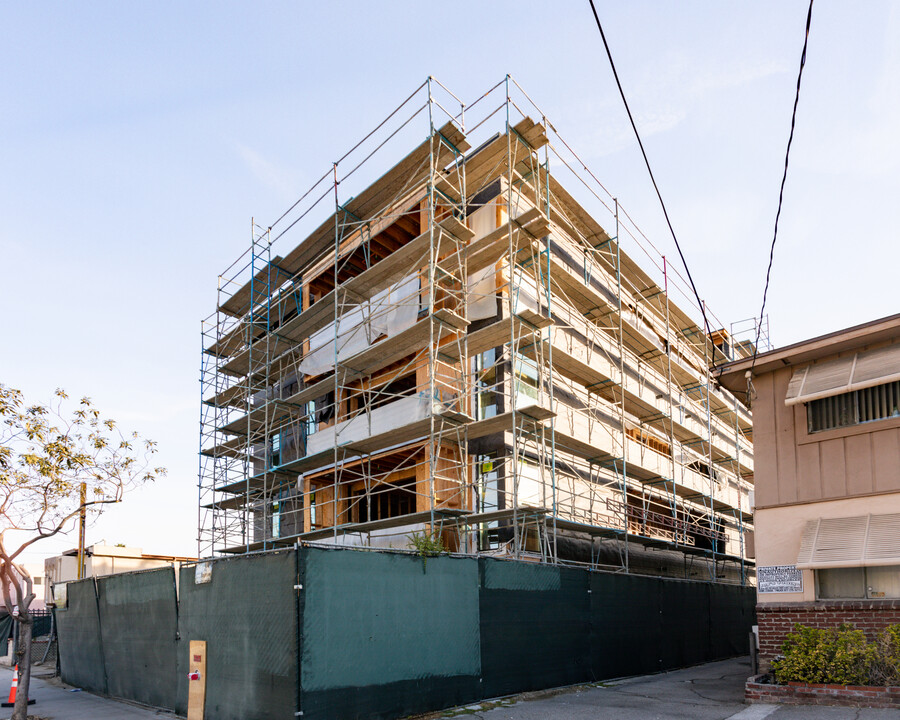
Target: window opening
point(854, 408)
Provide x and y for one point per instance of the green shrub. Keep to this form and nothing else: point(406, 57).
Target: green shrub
point(886, 663)
point(839, 656)
point(426, 545)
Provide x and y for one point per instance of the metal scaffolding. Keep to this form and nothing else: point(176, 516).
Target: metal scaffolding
point(462, 350)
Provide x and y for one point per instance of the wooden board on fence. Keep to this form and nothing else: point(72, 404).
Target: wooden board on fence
point(197, 688)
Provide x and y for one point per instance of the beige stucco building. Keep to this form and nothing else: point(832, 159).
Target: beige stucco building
point(100, 560)
point(826, 429)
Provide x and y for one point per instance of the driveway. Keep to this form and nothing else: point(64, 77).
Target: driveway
point(714, 691)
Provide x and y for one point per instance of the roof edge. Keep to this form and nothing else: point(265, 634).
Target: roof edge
point(806, 351)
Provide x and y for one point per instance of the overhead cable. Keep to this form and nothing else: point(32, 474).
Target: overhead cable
point(649, 170)
point(787, 156)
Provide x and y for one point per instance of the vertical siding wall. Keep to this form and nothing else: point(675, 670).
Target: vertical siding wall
point(794, 466)
point(354, 634)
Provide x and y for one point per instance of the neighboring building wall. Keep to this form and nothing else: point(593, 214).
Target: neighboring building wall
point(38, 584)
point(779, 529)
point(801, 476)
point(794, 466)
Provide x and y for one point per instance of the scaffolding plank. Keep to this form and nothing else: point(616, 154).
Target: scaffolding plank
point(486, 164)
point(308, 462)
point(536, 412)
point(425, 516)
point(271, 479)
point(298, 328)
point(502, 422)
point(407, 433)
point(395, 436)
point(576, 291)
point(232, 396)
point(408, 259)
point(536, 137)
point(579, 223)
point(524, 248)
point(490, 162)
point(399, 264)
point(596, 306)
point(537, 320)
point(378, 442)
point(232, 341)
point(232, 503)
point(230, 448)
point(260, 285)
point(490, 336)
point(313, 392)
point(520, 511)
point(597, 377)
point(277, 411)
point(638, 466)
point(285, 541)
point(574, 526)
point(457, 228)
point(394, 348)
point(577, 446)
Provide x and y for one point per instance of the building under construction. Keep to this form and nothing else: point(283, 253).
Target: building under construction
point(461, 351)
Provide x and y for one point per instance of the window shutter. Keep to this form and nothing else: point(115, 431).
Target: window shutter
point(863, 540)
point(854, 372)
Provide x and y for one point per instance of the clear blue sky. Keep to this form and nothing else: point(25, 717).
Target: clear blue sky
point(138, 139)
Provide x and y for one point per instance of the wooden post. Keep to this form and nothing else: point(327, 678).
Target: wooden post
point(197, 680)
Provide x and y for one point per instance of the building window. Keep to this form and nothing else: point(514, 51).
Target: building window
point(858, 583)
point(372, 398)
point(526, 382)
point(275, 453)
point(486, 380)
point(276, 519)
point(854, 408)
point(386, 500)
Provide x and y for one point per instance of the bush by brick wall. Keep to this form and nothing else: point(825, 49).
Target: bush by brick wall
point(776, 620)
point(820, 694)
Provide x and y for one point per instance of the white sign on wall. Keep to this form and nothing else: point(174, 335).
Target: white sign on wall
point(779, 579)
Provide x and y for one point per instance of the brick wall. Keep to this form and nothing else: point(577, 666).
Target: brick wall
point(820, 694)
point(776, 620)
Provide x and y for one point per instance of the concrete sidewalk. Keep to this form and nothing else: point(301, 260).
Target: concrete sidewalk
point(56, 701)
point(714, 691)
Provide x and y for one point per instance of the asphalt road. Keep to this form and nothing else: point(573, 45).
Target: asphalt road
point(714, 691)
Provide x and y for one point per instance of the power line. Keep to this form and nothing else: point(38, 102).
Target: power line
point(787, 157)
point(647, 162)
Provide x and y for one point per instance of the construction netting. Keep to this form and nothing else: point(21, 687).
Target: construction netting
point(535, 626)
point(387, 635)
point(362, 634)
point(245, 609)
point(80, 649)
point(646, 624)
point(138, 616)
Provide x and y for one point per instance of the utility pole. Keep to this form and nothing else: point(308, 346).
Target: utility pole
point(82, 522)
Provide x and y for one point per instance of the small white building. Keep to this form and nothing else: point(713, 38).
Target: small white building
point(102, 560)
